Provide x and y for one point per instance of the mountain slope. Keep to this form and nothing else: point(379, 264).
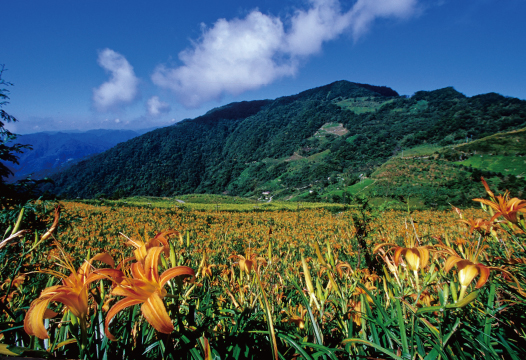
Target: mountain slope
point(283, 145)
point(54, 151)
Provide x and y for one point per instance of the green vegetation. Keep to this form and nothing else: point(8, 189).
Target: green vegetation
point(508, 165)
point(10, 194)
point(8, 151)
point(362, 105)
point(360, 186)
point(503, 153)
point(296, 146)
point(213, 203)
point(421, 150)
point(16, 199)
point(509, 143)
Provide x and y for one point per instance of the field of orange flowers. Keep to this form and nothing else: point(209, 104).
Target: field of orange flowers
point(147, 282)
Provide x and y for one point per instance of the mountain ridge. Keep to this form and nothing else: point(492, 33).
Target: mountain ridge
point(241, 148)
point(55, 150)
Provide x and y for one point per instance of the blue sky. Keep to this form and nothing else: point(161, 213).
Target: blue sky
point(137, 64)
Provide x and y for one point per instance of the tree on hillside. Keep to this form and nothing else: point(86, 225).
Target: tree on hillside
point(10, 194)
point(18, 198)
point(8, 150)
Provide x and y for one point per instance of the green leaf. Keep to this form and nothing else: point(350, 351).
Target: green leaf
point(295, 345)
point(489, 314)
point(428, 309)
point(5, 350)
point(314, 323)
point(12, 350)
point(448, 336)
point(151, 347)
point(465, 301)
point(195, 354)
point(64, 343)
point(347, 342)
point(401, 324)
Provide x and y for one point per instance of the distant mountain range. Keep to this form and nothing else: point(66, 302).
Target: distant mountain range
point(311, 146)
point(56, 151)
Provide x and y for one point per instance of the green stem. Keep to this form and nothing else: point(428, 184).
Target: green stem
point(270, 323)
point(462, 292)
point(83, 337)
point(416, 280)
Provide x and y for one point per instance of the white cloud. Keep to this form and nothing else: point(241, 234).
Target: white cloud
point(324, 21)
point(121, 88)
point(233, 56)
point(243, 54)
point(157, 107)
point(364, 12)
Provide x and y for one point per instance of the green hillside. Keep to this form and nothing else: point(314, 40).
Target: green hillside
point(509, 143)
point(507, 165)
point(503, 153)
point(431, 174)
point(310, 146)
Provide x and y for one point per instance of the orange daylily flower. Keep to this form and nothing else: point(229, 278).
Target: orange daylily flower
point(15, 286)
point(416, 257)
point(356, 312)
point(205, 269)
point(297, 316)
point(141, 248)
point(481, 225)
point(73, 293)
point(426, 298)
point(467, 271)
point(246, 263)
point(467, 264)
point(340, 266)
point(503, 205)
point(146, 287)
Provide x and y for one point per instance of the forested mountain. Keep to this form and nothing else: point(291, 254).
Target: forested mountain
point(341, 129)
point(55, 151)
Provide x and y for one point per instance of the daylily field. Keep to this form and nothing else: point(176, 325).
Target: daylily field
point(133, 282)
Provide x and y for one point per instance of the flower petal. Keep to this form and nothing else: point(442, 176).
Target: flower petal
point(489, 203)
point(490, 193)
point(175, 271)
point(151, 264)
point(161, 239)
point(484, 275)
point(399, 251)
point(467, 273)
point(412, 258)
point(137, 271)
point(451, 261)
point(120, 305)
point(85, 269)
point(379, 246)
point(105, 258)
point(424, 255)
point(111, 274)
point(155, 313)
point(34, 320)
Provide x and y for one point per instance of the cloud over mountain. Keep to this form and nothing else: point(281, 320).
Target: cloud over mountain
point(157, 107)
point(121, 88)
point(237, 55)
